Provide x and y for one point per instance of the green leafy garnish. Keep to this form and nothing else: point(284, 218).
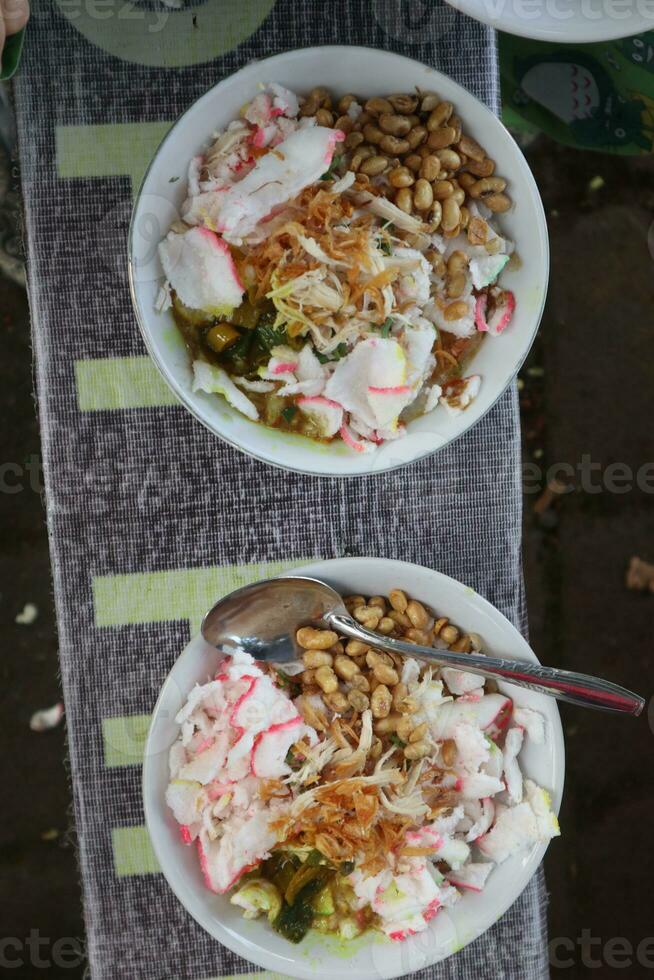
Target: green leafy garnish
point(288, 413)
point(329, 173)
point(237, 357)
point(396, 740)
point(288, 683)
point(294, 920)
point(293, 761)
point(335, 355)
point(264, 337)
point(280, 868)
point(267, 335)
point(385, 247)
point(387, 326)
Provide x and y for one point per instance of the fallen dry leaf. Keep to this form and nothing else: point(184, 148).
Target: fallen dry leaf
point(640, 575)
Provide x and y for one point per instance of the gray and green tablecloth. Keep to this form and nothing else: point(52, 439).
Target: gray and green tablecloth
point(150, 517)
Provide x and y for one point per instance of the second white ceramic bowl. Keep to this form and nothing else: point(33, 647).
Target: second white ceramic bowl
point(366, 72)
point(562, 21)
point(372, 956)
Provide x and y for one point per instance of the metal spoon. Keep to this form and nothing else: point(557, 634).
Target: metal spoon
point(264, 617)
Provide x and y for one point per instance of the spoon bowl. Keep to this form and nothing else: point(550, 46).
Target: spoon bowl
point(264, 617)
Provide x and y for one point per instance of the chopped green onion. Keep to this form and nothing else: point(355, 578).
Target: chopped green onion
point(269, 336)
point(387, 326)
point(335, 355)
point(288, 413)
point(284, 680)
point(329, 174)
point(396, 740)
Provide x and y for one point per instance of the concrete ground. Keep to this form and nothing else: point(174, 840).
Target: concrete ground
point(586, 394)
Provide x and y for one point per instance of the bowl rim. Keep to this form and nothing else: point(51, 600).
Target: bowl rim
point(567, 32)
point(540, 229)
point(239, 945)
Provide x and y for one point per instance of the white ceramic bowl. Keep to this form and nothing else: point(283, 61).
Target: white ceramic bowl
point(563, 21)
point(371, 957)
point(367, 72)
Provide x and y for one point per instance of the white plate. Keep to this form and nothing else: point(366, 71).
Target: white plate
point(366, 72)
point(371, 957)
point(563, 21)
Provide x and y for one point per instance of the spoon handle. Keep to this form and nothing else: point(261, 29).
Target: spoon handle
point(566, 685)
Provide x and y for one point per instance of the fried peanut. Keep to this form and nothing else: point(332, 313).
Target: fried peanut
point(404, 728)
point(360, 682)
point(385, 625)
point(400, 692)
point(394, 125)
point(423, 195)
point(378, 602)
point(440, 138)
point(345, 667)
point(336, 701)
point(356, 648)
point(385, 675)
point(317, 658)
point(439, 115)
point(416, 136)
point(359, 701)
point(404, 200)
point(417, 614)
point(381, 702)
point(374, 657)
point(376, 106)
point(449, 634)
point(419, 732)
point(374, 166)
point(368, 616)
point(401, 177)
point(421, 637)
point(405, 104)
point(449, 752)
point(398, 600)
point(326, 679)
point(394, 145)
point(384, 726)
point(417, 750)
point(313, 639)
point(399, 618)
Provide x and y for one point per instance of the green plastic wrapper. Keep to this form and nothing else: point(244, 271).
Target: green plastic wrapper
point(592, 96)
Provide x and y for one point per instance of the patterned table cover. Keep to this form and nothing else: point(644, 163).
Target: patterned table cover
point(150, 517)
